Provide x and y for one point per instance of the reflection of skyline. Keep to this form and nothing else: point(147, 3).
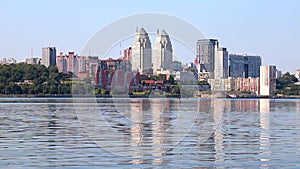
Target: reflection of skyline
point(264, 138)
point(160, 137)
point(210, 125)
point(148, 128)
point(214, 121)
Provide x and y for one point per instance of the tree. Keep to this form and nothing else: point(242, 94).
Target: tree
point(285, 85)
point(176, 89)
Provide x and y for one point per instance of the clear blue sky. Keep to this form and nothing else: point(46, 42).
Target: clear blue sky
point(268, 28)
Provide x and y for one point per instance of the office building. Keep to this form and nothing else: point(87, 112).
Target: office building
point(211, 60)
point(49, 56)
point(162, 52)
point(141, 59)
point(205, 50)
point(221, 63)
point(267, 80)
point(244, 66)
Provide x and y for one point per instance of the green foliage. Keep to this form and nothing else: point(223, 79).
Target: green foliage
point(176, 89)
point(285, 85)
point(203, 82)
point(32, 79)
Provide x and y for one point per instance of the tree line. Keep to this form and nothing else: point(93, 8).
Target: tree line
point(27, 79)
point(286, 85)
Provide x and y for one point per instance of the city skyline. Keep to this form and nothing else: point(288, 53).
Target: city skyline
point(256, 30)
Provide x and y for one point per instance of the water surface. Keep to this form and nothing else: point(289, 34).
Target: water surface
point(149, 133)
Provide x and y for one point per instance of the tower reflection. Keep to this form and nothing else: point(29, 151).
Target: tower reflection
point(264, 138)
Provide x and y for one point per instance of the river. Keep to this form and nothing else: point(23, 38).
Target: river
point(149, 133)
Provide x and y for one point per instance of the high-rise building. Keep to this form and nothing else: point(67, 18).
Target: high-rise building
point(221, 63)
point(162, 51)
point(267, 80)
point(141, 59)
point(49, 56)
point(71, 63)
point(244, 66)
point(206, 49)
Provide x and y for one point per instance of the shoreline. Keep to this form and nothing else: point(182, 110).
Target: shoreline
point(140, 96)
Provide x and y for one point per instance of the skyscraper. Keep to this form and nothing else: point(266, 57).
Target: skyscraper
point(162, 51)
point(206, 49)
point(267, 80)
point(141, 59)
point(244, 66)
point(49, 56)
point(221, 64)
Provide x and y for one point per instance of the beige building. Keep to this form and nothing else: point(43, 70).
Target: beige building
point(162, 51)
point(267, 80)
point(239, 84)
point(141, 59)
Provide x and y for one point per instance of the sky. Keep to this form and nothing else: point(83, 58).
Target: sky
point(268, 28)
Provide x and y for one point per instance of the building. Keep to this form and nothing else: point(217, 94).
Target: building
point(279, 74)
point(297, 74)
point(116, 75)
point(71, 62)
point(162, 51)
point(205, 50)
point(176, 66)
point(49, 56)
point(8, 61)
point(91, 66)
point(211, 60)
point(221, 64)
point(33, 61)
point(239, 84)
point(247, 84)
point(141, 59)
point(127, 54)
point(221, 85)
point(185, 76)
point(61, 63)
point(267, 80)
point(244, 66)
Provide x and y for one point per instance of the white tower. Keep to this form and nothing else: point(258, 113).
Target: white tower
point(162, 51)
point(141, 52)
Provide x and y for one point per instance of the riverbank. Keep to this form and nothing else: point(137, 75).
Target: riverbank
point(206, 96)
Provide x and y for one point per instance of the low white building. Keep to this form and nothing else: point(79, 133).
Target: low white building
point(8, 61)
point(34, 61)
point(297, 74)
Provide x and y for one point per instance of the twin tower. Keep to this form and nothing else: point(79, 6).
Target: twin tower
point(142, 58)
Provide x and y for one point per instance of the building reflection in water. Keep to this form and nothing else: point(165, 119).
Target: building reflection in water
point(159, 107)
point(148, 129)
point(218, 110)
point(210, 127)
point(137, 130)
point(264, 138)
